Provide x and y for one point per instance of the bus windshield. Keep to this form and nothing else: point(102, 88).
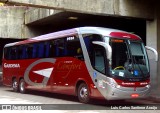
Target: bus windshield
point(129, 59)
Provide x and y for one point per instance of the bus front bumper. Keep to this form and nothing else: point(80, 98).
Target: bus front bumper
point(114, 93)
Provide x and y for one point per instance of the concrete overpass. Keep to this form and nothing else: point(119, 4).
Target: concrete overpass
point(88, 12)
point(131, 8)
point(120, 14)
point(35, 17)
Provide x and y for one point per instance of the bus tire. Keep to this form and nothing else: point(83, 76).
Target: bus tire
point(22, 88)
point(15, 85)
point(83, 93)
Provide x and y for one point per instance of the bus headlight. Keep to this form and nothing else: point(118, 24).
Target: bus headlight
point(118, 86)
point(148, 86)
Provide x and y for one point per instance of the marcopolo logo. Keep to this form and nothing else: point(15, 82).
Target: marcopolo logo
point(11, 65)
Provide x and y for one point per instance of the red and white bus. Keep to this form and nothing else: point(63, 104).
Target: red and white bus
point(89, 62)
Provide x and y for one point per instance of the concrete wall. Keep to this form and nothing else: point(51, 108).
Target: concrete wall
point(153, 40)
point(12, 22)
point(13, 18)
point(129, 8)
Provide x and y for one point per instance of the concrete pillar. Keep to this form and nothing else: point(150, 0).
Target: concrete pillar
point(153, 40)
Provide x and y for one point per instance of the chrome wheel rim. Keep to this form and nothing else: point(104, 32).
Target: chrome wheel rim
point(15, 85)
point(22, 86)
point(84, 93)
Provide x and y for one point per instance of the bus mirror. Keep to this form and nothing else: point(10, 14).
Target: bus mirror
point(107, 48)
point(154, 51)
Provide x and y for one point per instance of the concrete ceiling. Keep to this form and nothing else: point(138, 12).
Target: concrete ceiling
point(61, 21)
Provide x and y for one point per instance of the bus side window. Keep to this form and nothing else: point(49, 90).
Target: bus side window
point(46, 49)
point(60, 47)
point(6, 53)
point(29, 51)
point(35, 50)
point(41, 50)
point(13, 53)
point(24, 54)
point(96, 53)
point(74, 49)
point(88, 39)
point(99, 59)
point(52, 49)
point(20, 52)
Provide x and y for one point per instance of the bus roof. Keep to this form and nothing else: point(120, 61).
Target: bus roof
point(81, 30)
point(109, 32)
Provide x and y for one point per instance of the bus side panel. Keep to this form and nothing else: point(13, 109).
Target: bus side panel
point(67, 71)
point(9, 72)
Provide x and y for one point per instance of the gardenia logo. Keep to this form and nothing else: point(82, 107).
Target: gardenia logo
point(11, 65)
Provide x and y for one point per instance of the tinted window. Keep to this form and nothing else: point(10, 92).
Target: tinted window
point(99, 59)
point(88, 39)
point(29, 50)
point(6, 53)
point(96, 53)
point(73, 48)
point(119, 53)
point(68, 46)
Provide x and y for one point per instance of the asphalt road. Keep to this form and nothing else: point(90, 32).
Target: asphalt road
point(69, 104)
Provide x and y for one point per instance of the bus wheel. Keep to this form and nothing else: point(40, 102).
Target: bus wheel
point(83, 93)
point(22, 88)
point(15, 85)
